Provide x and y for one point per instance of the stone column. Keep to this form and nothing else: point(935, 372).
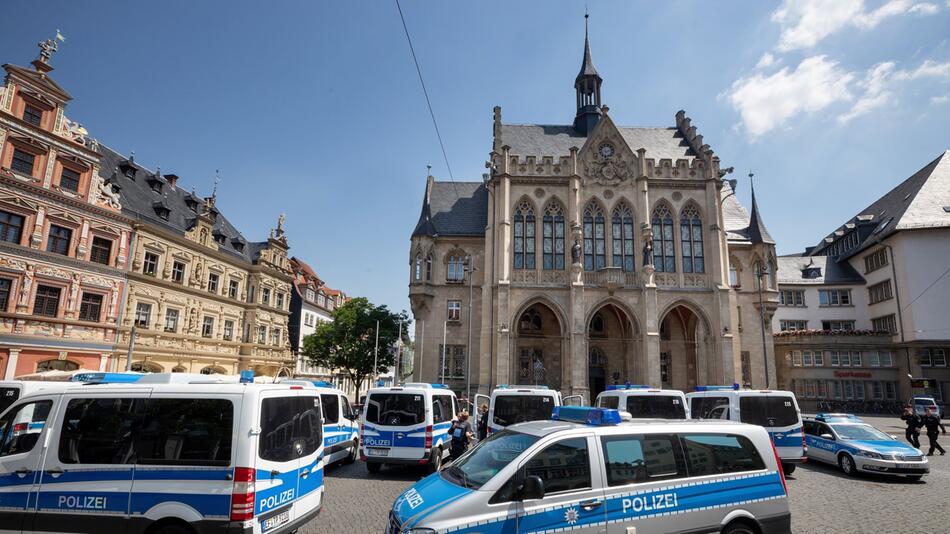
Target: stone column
point(50, 165)
point(103, 362)
point(83, 246)
point(12, 356)
point(122, 257)
point(37, 238)
point(651, 337)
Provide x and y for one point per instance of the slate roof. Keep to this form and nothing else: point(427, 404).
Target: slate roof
point(832, 272)
point(920, 201)
point(453, 208)
point(557, 140)
point(736, 220)
point(139, 201)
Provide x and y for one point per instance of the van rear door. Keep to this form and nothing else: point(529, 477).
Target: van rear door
point(22, 433)
point(778, 413)
point(288, 456)
point(9, 393)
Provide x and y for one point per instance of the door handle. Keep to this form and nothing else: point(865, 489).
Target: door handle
point(592, 504)
point(22, 472)
point(55, 472)
point(274, 473)
point(305, 473)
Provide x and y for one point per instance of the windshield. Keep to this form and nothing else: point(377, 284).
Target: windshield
point(770, 410)
point(490, 456)
point(925, 402)
point(860, 432)
point(511, 409)
point(7, 397)
point(656, 407)
point(395, 409)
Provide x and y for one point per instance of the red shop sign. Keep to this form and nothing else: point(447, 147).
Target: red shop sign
point(852, 374)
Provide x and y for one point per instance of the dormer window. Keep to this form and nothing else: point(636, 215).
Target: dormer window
point(32, 115)
point(130, 172)
point(155, 184)
point(810, 273)
point(220, 239)
point(162, 211)
point(238, 246)
point(192, 204)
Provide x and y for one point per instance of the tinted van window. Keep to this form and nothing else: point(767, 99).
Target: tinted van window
point(286, 421)
point(656, 406)
point(771, 410)
point(714, 454)
point(611, 401)
point(186, 432)
point(395, 409)
point(511, 409)
point(7, 397)
point(99, 431)
point(709, 407)
point(441, 408)
point(632, 459)
point(21, 428)
point(331, 408)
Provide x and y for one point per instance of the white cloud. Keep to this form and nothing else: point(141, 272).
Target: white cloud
point(927, 69)
point(806, 22)
point(940, 100)
point(767, 60)
point(767, 102)
point(882, 80)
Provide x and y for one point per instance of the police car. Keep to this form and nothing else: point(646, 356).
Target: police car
point(407, 425)
point(509, 405)
point(855, 446)
point(168, 454)
point(586, 471)
point(642, 401)
point(775, 410)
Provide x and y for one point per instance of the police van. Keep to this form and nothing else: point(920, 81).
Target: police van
point(586, 471)
point(855, 446)
point(11, 390)
point(777, 411)
point(168, 454)
point(642, 401)
point(341, 431)
point(509, 405)
point(407, 425)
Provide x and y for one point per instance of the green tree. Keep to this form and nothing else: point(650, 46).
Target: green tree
point(347, 343)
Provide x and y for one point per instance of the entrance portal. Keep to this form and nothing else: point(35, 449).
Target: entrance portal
point(682, 338)
point(537, 358)
point(612, 349)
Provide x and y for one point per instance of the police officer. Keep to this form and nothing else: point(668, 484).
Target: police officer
point(482, 422)
point(932, 422)
point(914, 423)
point(461, 433)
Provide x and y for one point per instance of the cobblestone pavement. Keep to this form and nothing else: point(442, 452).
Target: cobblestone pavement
point(821, 498)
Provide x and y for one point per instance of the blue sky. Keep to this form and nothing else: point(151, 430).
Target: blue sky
point(314, 108)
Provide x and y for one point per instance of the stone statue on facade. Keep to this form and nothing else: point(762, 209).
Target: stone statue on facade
point(27, 286)
point(576, 253)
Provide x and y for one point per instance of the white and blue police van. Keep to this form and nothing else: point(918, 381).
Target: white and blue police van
point(11, 390)
point(168, 454)
point(587, 471)
point(509, 405)
point(645, 402)
point(857, 447)
point(775, 410)
point(341, 429)
point(407, 425)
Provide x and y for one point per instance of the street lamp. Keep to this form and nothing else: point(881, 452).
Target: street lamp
point(470, 268)
point(761, 272)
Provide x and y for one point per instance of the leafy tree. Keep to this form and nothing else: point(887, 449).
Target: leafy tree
point(347, 343)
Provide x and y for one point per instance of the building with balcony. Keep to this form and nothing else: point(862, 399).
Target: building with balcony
point(592, 254)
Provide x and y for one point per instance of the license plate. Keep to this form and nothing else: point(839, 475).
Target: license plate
point(906, 466)
point(375, 451)
point(275, 521)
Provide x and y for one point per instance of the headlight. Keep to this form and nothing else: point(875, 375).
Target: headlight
point(871, 454)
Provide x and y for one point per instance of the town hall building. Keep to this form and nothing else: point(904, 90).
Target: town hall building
point(592, 254)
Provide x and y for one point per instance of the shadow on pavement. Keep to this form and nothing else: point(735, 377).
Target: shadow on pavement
point(358, 471)
point(828, 469)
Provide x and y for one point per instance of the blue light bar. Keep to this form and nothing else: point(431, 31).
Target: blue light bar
point(837, 417)
point(616, 387)
point(586, 415)
point(247, 377)
point(519, 386)
point(734, 387)
point(440, 386)
point(322, 384)
point(106, 378)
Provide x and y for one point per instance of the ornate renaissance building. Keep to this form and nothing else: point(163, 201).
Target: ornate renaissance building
point(64, 242)
point(601, 253)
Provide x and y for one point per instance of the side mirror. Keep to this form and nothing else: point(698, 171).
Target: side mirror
point(531, 488)
point(827, 436)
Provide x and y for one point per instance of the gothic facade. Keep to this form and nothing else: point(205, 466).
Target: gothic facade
point(596, 254)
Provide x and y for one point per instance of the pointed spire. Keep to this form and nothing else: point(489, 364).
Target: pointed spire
point(587, 87)
point(757, 232)
point(587, 66)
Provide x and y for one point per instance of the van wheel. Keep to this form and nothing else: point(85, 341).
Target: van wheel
point(351, 457)
point(373, 467)
point(738, 527)
point(788, 469)
point(846, 463)
point(435, 460)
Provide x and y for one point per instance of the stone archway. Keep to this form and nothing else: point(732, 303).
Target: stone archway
point(683, 354)
point(612, 347)
point(538, 347)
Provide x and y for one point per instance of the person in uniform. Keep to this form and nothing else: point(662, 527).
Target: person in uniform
point(932, 422)
point(482, 422)
point(914, 423)
point(461, 433)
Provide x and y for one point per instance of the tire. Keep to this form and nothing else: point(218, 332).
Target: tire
point(373, 467)
point(788, 469)
point(351, 457)
point(435, 460)
point(847, 465)
point(739, 527)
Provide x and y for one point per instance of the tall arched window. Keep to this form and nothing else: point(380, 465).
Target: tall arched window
point(773, 274)
point(417, 268)
point(664, 251)
point(455, 267)
point(524, 236)
point(621, 228)
point(691, 240)
point(552, 234)
point(734, 272)
point(595, 245)
point(429, 268)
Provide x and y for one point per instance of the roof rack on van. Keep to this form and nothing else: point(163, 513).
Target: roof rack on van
point(106, 378)
point(734, 387)
point(614, 387)
point(586, 415)
point(519, 386)
point(424, 385)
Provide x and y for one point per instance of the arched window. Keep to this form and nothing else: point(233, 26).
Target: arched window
point(417, 268)
point(213, 370)
point(553, 236)
point(56, 365)
point(597, 326)
point(455, 267)
point(595, 246)
point(179, 369)
point(773, 274)
point(524, 236)
point(597, 358)
point(734, 272)
point(530, 322)
point(146, 367)
point(429, 268)
point(691, 240)
point(664, 251)
point(621, 228)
